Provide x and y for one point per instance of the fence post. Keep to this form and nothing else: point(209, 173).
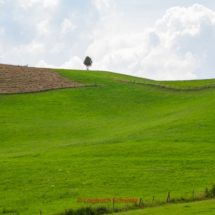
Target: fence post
point(168, 197)
point(193, 193)
point(40, 212)
point(65, 211)
point(153, 198)
point(140, 201)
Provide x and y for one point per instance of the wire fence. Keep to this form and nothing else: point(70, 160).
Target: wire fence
point(171, 86)
point(139, 204)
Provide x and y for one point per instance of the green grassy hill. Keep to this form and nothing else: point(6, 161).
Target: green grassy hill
point(118, 139)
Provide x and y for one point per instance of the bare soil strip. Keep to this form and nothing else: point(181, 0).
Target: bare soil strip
point(22, 79)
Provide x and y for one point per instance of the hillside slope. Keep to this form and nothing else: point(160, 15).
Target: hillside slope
point(118, 139)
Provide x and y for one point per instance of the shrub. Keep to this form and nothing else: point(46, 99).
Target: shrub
point(86, 211)
point(102, 210)
point(210, 193)
point(70, 212)
point(90, 211)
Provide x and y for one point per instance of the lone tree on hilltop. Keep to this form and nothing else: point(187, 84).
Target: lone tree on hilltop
point(88, 62)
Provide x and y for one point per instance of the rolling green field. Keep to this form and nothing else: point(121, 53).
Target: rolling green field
point(117, 139)
point(202, 208)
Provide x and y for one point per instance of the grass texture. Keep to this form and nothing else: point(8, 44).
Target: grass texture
point(118, 139)
point(203, 208)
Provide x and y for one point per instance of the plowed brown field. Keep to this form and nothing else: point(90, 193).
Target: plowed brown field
point(22, 79)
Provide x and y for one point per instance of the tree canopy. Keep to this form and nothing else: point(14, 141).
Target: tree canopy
point(88, 62)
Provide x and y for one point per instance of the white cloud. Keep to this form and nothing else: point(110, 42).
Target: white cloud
point(34, 48)
point(43, 64)
point(73, 63)
point(22, 54)
point(101, 4)
point(179, 46)
point(43, 28)
point(1, 1)
point(50, 3)
point(58, 48)
point(67, 26)
point(44, 3)
point(2, 32)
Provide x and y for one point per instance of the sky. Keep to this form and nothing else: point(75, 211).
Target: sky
point(156, 39)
